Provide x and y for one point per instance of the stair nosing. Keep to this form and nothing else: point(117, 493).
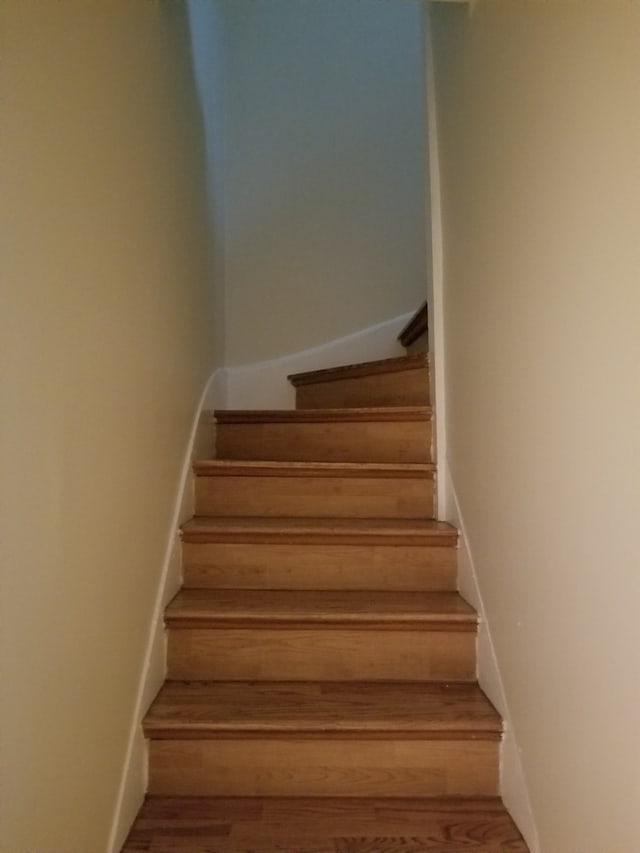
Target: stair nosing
point(204, 529)
point(196, 732)
point(177, 621)
point(487, 725)
point(484, 803)
point(380, 414)
point(268, 468)
point(353, 371)
point(318, 610)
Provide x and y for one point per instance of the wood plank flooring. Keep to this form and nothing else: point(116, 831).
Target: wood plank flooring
point(308, 825)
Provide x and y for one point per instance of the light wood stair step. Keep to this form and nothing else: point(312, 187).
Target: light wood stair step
point(322, 530)
point(323, 740)
point(323, 635)
point(314, 489)
point(402, 381)
point(201, 709)
point(324, 825)
point(299, 608)
point(319, 553)
point(379, 434)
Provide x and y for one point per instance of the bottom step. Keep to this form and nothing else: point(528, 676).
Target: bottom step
point(323, 739)
point(334, 766)
point(297, 825)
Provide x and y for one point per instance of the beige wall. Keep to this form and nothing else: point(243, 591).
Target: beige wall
point(324, 171)
point(540, 150)
point(106, 347)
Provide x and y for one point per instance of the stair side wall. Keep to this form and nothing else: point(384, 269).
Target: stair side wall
point(263, 385)
point(107, 313)
point(540, 132)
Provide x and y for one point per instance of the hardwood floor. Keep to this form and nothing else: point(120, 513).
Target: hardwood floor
point(334, 825)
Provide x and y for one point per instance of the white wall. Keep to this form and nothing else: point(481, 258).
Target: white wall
point(324, 177)
point(208, 46)
point(106, 342)
point(540, 152)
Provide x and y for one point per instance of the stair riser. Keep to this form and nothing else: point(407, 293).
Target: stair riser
point(315, 497)
point(403, 388)
point(225, 565)
point(398, 441)
point(324, 767)
point(322, 654)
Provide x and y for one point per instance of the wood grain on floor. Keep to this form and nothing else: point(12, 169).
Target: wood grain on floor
point(307, 825)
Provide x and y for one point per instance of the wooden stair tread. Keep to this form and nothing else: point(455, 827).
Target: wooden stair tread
point(305, 608)
point(344, 530)
point(367, 368)
point(343, 415)
point(380, 470)
point(200, 708)
point(324, 825)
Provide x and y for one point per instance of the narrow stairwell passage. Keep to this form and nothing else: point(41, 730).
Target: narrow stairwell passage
point(321, 693)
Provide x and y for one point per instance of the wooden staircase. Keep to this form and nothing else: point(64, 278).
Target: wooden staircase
point(321, 691)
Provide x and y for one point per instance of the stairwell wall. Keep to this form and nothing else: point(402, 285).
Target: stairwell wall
point(539, 134)
point(106, 348)
point(324, 171)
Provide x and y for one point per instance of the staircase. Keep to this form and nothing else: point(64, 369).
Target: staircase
point(321, 693)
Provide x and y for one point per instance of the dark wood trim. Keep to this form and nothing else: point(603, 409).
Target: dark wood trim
point(418, 325)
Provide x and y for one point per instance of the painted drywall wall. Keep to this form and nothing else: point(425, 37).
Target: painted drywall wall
point(539, 133)
point(264, 385)
point(208, 47)
point(106, 342)
point(324, 171)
